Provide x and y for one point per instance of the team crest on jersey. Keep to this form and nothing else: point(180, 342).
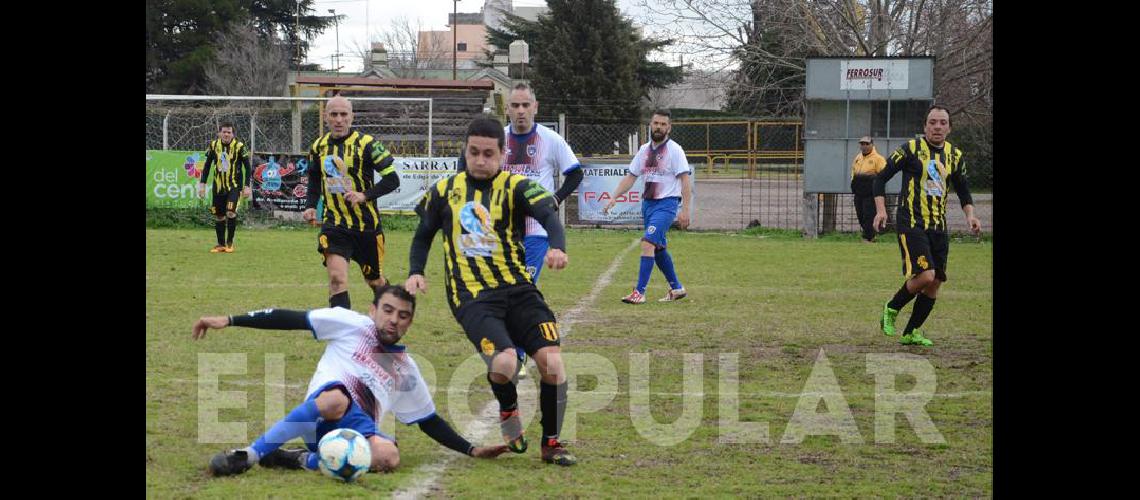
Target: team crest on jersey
point(531, 150)
point(336, 175)
point(936, 182)
point(479, 238)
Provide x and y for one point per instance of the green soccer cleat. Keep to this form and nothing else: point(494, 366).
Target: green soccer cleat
point(915, 338)
point(887, 322)
point(511, 427)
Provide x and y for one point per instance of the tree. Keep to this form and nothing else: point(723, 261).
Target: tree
point(245, 63)
point(587, 60)
point(407, 57)
point(181, 35)
point(766, 42)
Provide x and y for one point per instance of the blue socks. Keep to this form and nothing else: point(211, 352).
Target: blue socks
point(643, 274)
point(665, 262)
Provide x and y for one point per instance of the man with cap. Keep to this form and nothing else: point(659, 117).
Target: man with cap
point(868, 163)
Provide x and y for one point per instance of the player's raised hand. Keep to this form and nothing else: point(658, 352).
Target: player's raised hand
point(206, 322)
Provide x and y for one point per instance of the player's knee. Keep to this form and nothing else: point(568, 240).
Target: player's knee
point(549, 361)
point(338, 281)
point(647, 248)
point(376, 283)
point(504, 365)
point(231, 215)
point(931, 289)
point(384, 460)
point(924, 279)
point(220, 218)
point(332, 404)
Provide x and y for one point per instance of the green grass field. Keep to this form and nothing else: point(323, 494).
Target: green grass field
point(772, 301)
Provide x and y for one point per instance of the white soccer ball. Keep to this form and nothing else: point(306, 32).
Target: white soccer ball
point(345, 454)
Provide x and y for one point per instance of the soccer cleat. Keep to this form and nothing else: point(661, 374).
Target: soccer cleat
point(282, 458)
point(218, 249)
point(915, 338)
point(887, 322)
point(554, 453)
point(229, 463)
point(511, 426)
point(522, 367)
point(635, 297)
point(673, 295)
point(229, 248)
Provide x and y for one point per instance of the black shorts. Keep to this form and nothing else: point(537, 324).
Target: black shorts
point(365, 247)
point(516, 316)
point(225, 201)
point(924, 250)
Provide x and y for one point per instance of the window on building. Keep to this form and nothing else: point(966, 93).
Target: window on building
point(461, 47)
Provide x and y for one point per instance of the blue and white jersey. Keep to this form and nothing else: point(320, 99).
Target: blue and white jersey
point(381, 379)
point(538, 154)
point(661, 166)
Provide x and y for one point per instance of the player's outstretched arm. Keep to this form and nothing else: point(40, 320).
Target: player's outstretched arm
point(265, 319)
point(438, 429)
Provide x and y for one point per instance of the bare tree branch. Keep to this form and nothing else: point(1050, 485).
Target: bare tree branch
point(247, 64)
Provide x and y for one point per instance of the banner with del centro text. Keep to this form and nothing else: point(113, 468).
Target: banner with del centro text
point(172, 179)
point(279, 182)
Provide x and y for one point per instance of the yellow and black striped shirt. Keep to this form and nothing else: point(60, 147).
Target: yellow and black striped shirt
point(483, 223)
point(929, 173)
point(232, 162)
point(338, 166)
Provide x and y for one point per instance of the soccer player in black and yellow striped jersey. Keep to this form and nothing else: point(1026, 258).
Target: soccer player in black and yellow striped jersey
point(931, 166)
point(231, 181)
point(482, 212)
point(341, 166)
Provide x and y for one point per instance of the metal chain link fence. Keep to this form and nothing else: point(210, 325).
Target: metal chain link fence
point(275, 126)
point(749, 173)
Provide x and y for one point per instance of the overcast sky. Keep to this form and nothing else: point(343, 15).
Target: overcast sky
point(373, 16)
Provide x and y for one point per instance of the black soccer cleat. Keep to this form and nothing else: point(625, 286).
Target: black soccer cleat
point(282, 458)
point(230, 463)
